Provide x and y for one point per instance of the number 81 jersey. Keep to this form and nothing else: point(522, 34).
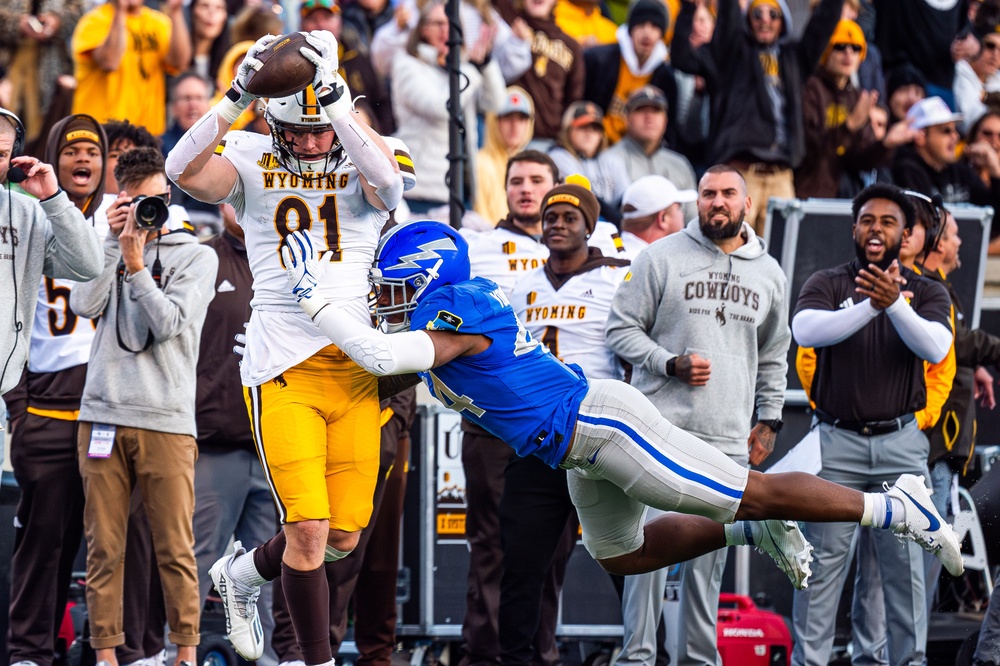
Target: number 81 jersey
point(270, 203)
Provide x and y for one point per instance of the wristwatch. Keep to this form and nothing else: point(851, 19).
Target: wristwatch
point(773, 424)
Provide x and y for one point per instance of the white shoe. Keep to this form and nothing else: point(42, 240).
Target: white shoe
point(922, 523)
point(297, 662)
point(240, 603)
point(787, 546)
point(27, 662)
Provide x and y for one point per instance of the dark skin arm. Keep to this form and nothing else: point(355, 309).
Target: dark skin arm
point(882, 287)
point(449, 346)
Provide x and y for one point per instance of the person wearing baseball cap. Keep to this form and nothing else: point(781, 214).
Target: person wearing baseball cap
point(651, 210)
point(636, 59)
point(507, 133)
point(643, 148)
point(582, 149)
point(932, 166)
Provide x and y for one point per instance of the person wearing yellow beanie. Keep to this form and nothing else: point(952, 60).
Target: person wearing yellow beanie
point(839, 135)
point(847, 36)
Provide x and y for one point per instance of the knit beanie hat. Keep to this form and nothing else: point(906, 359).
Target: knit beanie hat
point(766, 3)
point(846, 32)
point(577, 196)
point(648, 11)
point(79, 128)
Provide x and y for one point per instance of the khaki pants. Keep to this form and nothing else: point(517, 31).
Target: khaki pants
point(762, 184)
point(162, 466)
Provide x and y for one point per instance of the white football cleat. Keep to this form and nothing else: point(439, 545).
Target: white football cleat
point(787, 546)
point(240, 603)
point(922, 523)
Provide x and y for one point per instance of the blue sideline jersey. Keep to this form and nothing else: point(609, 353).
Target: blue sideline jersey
point(516, 389)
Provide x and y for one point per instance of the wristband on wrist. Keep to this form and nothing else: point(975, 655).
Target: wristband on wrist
point(336, 101)
point(232, 104)
point(672, 367)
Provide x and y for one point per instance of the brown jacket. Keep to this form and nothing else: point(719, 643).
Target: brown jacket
point(831, 148)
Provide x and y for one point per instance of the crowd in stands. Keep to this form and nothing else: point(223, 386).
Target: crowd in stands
point(804, 101)
point(639, 98)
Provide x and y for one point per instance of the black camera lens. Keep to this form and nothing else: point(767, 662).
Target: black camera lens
point(151, 213)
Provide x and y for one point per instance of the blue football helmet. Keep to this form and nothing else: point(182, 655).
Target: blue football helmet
point(412, 260)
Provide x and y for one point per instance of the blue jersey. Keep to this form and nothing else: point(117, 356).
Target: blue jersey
point(515, 389)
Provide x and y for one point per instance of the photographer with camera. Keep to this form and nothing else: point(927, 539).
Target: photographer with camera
point(137, 417)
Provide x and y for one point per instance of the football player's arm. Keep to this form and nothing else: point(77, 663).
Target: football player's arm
point(388, 354)
point(380, 177)
point(192, 163)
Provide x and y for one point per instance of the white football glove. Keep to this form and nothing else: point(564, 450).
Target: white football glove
point(302, 270)
point(326, 57)
point(250, 63)
point(331, 89)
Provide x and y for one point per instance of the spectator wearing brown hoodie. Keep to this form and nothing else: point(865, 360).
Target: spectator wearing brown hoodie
point(836, 115)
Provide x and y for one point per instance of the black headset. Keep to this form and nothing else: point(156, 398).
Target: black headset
point(15, 174)
point(933, 218)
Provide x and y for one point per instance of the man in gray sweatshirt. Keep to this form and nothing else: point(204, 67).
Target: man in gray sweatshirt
point(137, 416)
point(704, 322)
point(48, 236)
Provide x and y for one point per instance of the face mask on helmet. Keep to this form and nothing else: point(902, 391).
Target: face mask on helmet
point(411, 262)
point(301, 114)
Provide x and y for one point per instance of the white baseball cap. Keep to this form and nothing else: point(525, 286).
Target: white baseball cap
point(651, 194)
point(930, 111)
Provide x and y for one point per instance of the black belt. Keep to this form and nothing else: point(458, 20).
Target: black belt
point(866, 428)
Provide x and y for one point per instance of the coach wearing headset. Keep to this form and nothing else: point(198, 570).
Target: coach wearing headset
point(45, 236)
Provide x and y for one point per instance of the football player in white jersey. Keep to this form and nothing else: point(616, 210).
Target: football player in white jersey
point(513, 248)
point(565, 304)
point(314, 412)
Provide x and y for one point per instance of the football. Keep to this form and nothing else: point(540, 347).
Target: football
point(284, 70)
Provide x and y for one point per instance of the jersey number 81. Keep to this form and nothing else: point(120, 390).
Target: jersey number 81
point(328, 215)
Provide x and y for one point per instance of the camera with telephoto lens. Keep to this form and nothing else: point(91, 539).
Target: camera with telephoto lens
point(151, 213)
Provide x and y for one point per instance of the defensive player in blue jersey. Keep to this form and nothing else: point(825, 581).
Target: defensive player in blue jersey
point(462, 336)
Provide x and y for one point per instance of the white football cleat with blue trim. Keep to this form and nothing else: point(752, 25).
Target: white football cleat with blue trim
point(923, 524)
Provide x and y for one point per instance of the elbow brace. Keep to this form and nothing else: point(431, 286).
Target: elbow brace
point(929, 340)
point(375, 351)
point(823, 328)
point(380, 171)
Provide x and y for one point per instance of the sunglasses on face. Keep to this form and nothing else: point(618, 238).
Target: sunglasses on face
point(991, 46)
point(759, 13)
point(841, 48)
